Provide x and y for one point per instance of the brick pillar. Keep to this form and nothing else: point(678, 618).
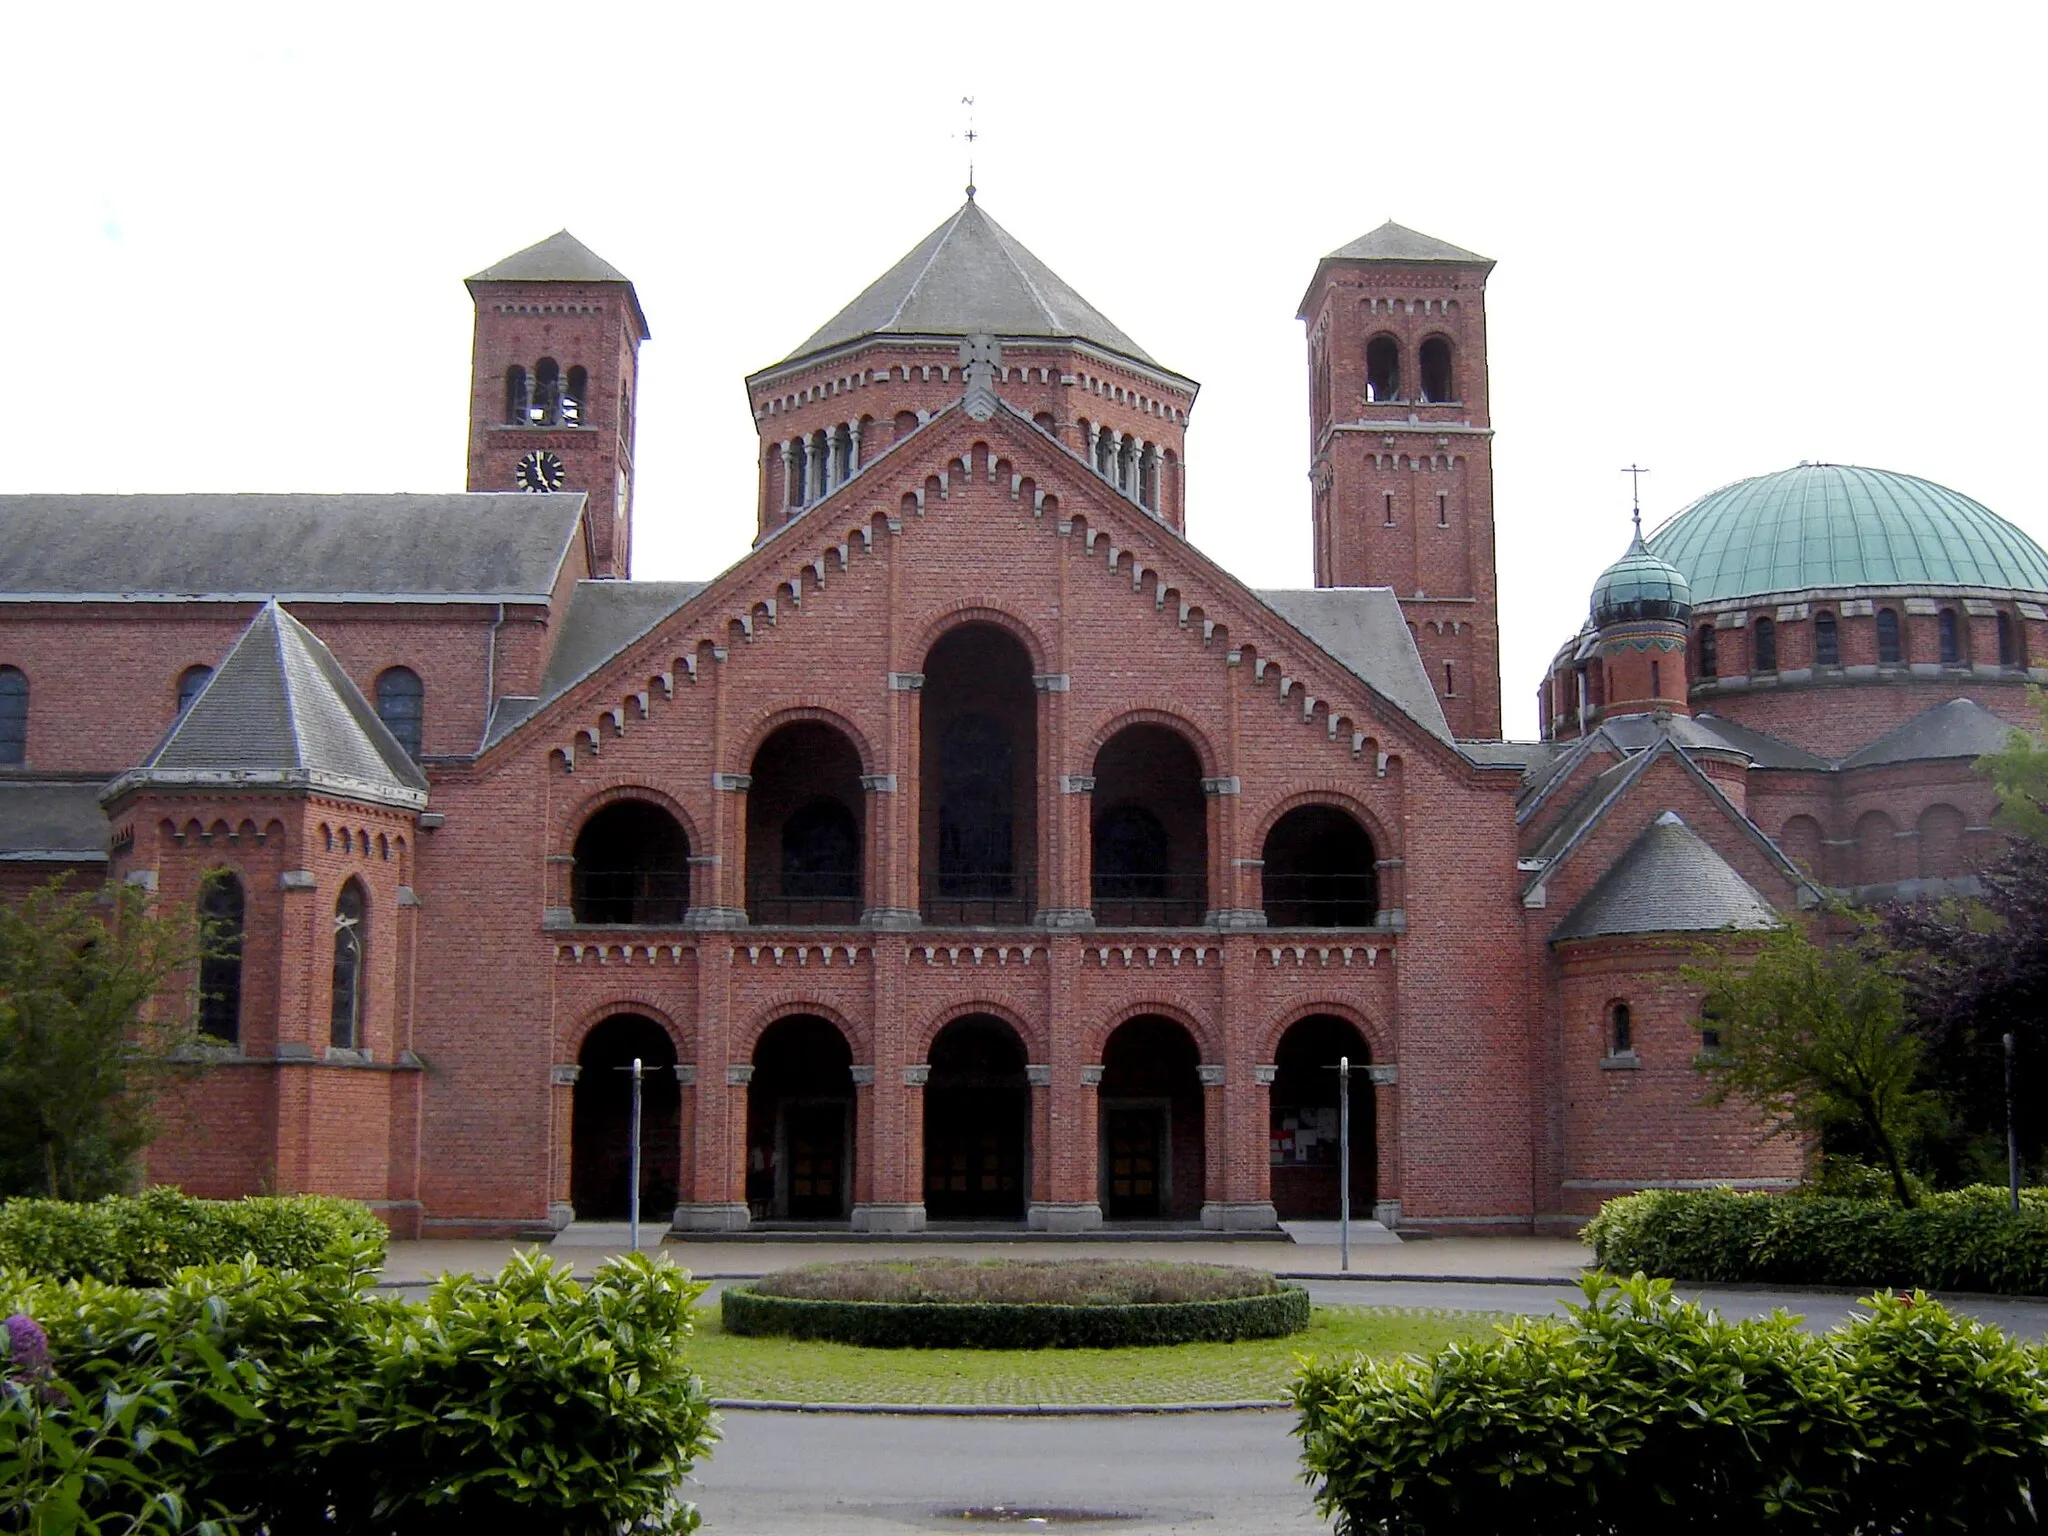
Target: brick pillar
point(561, 1124)
point(1039, 1076)
point(1386, 1130)
point(715, 1196)
point(1072, 1202)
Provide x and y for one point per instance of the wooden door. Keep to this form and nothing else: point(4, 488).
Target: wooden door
point(1134, 1150)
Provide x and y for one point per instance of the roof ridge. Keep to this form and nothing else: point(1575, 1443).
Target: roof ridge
point(1003, 243)
point(274, 611)
point(945, 233)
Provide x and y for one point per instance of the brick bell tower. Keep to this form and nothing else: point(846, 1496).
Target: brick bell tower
point(1402, 451)
point(552, 381)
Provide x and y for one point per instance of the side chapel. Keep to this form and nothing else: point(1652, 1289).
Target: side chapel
point(976, 849)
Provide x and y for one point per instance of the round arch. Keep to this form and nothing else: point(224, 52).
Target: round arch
point(1152, 1119)
point(572, 1037)
point(1378, 1038)
point(801, 1110)
point(977, 1121)
point(570, 819)
point(630, 864)
point(1166, 719)
point(757, 731)
point(747, 1038)
point(1335, 799)
point(1207, 1043)
point(600, 1119)
point(807, 823)
point(1305, 1106)
point(934, 1024)
point(981, 728)
point(937, 628)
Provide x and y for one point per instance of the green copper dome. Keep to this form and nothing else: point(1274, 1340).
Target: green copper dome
point(1641, 586)
point(1835, 525)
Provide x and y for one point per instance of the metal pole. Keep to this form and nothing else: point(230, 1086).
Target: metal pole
point(1344, 1161)
point(633, 1190)
point(2012, 1134)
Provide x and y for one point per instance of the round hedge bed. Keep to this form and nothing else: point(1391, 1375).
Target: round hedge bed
point(1016, 1304)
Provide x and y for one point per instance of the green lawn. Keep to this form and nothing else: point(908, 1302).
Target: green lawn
point(787, 1371)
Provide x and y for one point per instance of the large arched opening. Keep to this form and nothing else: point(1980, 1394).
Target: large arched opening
point(804, 827)
point(1306, 1120)
point(978, 823)
point(1150, 831)
point(977, 1123)
point(632, 866)
point(1320, 871)
point(1153, 1153)
point(601, 1118)
point(800, 1130)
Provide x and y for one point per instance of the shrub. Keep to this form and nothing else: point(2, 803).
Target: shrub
point(1075, 1282)
point(305, 1401)
point(145, 1239)
point(1641, 1414)
point(1015, 1325)
point(1964, 1240)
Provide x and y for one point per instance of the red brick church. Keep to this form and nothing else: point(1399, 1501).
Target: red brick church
point(976, 849)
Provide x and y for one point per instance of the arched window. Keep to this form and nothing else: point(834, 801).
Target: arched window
point(190, 681)
point(1764, 646)
point(518, 398)
point(1382, 369)
point(978, 825)
point(976, 779)
point(1435, 359)
point(2008, 642)
point(821, 856)
point(632, 866)
point(221, 912)
point(351, 954)
point(1320, 871)
point(1887, 637)
point(402, 706)
point(547, 394)
point(1656, 678)
point(1951, 642)
point(13, 717)
point(906, 423)
point(1827, 643)
point(1707, 651)
point(575, 399)
point(1621, 1031)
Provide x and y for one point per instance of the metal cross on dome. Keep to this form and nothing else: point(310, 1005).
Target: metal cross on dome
point(1635, 472)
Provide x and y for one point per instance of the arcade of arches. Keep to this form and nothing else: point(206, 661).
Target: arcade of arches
point(981, 1132)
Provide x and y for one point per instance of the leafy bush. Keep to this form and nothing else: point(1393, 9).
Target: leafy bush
point(1015, 1325)
point(1963, 1240)
point(147, 1238)
point(289, 1401)
point(1074, 1282)
point(1642, 1414)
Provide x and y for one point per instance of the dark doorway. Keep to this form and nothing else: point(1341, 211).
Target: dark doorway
point(804, 828)
point(800, 1123)
point(1305, 1121)
point(600, 1153)
point(977, 1123)
point(1320, 871)
point(1154, 1156)
point(978, 823)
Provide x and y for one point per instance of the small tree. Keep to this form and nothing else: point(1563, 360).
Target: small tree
point(82, 1054)
point(2020, 775)
point(1819, 1037)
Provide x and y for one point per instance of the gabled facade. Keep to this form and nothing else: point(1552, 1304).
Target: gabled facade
point(975, 850)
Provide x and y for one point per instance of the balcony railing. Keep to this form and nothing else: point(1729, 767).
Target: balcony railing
point(630, 897)
point(777, 910)
point(1321, 901)
point(1150, 901)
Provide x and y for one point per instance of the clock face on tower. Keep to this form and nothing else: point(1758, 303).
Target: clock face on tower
point(539, 470)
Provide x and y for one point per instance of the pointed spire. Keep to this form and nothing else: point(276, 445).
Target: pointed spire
point(1397, 242)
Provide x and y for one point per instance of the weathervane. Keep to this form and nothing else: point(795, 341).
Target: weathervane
point(970, 136)
point(1635, 473)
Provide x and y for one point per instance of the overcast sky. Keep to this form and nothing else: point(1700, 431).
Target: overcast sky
point(1729, 237)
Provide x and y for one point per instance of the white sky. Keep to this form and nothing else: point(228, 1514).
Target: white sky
point(1730, 237)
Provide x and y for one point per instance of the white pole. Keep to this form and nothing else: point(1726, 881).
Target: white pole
point(1344, 1160)
point(633, 1189)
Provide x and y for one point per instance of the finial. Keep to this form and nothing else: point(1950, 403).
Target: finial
point(1635, 473)
point(970, 136)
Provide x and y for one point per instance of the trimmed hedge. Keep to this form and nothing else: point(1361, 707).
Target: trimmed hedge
point(146, 1239)
point(1645, 1416)
point(305, 1401)
point(1964, 1240)
point(1014, 1325)
point(1050, 1282)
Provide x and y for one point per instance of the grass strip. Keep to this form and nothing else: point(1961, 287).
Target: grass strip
point(787, 1370)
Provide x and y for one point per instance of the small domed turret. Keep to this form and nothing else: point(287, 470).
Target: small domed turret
point(1641, 586)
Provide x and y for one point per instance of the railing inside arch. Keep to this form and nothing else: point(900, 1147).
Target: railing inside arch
point(631, 897)
point(1150, 900)
point(1321, 901)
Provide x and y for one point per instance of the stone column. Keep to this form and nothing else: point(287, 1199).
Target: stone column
point(853, 455)
point(792, 495)
point(812, 477)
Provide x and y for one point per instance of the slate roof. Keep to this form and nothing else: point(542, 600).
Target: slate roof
point(280, 711)
point(1765, 750)
point(969, 277)
point(1668, 881)
point(51, 823)
point(1362, 627)
point(602, 619)
point(1959, 728)
point(561, 258)
point(1397, 242)
point(475, 546)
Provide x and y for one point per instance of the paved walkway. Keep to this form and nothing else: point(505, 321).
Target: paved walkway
point(1465, 1258)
